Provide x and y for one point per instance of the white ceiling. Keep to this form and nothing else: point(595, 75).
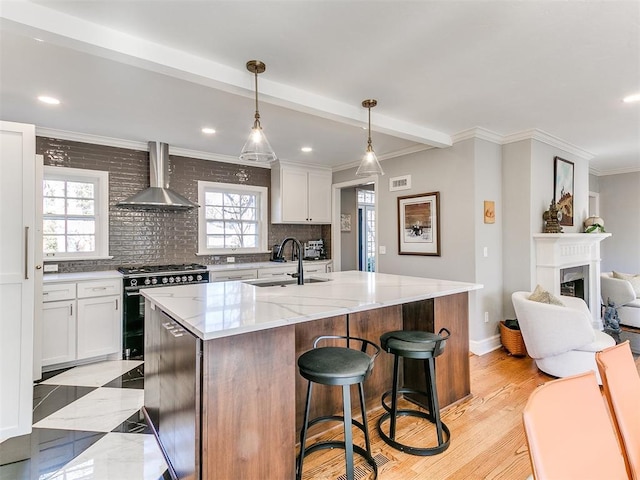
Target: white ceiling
point(161, 70)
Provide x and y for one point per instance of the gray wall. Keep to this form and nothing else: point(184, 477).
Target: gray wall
point(620, 210)
point(159, 237)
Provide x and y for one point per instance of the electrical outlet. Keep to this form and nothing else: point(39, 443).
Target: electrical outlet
point(231, 259)
point(485, 252)
point(382, 250)
point(486, 317)
point(50, 267)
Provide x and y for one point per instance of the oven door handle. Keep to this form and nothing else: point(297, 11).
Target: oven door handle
point(132, 294)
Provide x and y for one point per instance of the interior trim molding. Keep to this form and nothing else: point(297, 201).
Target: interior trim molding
point(419, 147)
point(140, 146)
point(544, 137)
point(478, 132)
point(484, 346)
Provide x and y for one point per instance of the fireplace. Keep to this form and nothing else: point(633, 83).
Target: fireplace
point(570, 263)
point(574, 282)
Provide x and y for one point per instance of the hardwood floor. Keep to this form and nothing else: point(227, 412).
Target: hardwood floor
point(487, 437)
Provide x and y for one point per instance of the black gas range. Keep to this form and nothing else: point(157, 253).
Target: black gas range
point(150, 276)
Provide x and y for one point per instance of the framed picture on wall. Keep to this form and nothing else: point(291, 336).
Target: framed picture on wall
point(345, 222)
point(563, 190)
point(419, 224)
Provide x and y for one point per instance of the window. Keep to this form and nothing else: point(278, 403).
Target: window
point(75, 213)
point(232, 218)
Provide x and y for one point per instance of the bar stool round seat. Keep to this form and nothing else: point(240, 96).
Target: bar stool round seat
point(341, 366)
point(416, 345)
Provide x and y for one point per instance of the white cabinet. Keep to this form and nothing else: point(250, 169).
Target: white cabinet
point(284, 271)
point(231, 275)
point(300, 195)
point(98, 326)
point(19, 263)
point(59, 323)
point(81, 320)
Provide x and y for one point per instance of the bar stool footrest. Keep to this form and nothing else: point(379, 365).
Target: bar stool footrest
point(334, 418)
point(421, 451)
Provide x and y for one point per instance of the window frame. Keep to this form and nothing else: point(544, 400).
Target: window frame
point(262, 194)
point(100, 179)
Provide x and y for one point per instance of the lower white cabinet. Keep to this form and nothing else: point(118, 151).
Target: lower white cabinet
point(98, 326)
point(233, 275)
point(59, 332)
point(81, 320)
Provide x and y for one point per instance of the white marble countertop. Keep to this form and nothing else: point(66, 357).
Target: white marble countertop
point(247, 266)
point(79, 276)
point(97, 275)
point(214, 310)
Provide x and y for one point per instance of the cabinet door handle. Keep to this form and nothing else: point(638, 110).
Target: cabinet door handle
point(116, 304)
point(26, 253)
point(70, 309)
point(99, 288)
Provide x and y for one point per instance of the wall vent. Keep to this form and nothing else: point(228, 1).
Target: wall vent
point(400, 183)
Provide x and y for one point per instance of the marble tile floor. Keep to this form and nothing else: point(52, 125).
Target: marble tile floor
point(87, 424)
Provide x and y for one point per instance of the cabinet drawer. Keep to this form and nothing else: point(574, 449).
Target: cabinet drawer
point(315, 269)
point(277, 271)
point(99, 288)
point(52, 292)
point(230, 276)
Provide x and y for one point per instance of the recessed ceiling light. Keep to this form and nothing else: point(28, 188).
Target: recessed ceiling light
point(306, 149)
point(208, 131)
point(49, 100)
point(632, 98)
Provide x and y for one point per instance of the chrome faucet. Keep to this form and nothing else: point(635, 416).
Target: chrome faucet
point(300, 274)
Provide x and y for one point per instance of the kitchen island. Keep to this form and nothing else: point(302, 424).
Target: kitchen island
point(221, 381)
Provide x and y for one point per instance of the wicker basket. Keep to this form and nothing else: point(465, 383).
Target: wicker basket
point(512, 340)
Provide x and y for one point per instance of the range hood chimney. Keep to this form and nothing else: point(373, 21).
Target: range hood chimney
point(158, 195)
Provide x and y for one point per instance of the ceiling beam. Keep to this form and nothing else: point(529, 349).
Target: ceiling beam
point(71, 32)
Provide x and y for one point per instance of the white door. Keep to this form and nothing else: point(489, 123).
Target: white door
point(17, 276)
point(98, 328)
point(59, 332)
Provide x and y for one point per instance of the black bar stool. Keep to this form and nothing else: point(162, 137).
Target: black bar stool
point(345, 366)
point(422, 346)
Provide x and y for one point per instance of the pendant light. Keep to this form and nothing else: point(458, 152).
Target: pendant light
point(257, 147)
point(369, 164)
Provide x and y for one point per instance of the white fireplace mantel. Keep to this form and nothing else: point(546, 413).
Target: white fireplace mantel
point(558, 251)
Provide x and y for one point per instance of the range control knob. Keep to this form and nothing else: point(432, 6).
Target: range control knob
point(154, 281)
point(184, 278)
point(198, 277)
point(147, 281)
point(171, 280)
point(165, 280)
point(190, 278)
point(178, 279)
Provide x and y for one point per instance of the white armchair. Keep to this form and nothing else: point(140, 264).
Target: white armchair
point(560, 339)
point(622, 295)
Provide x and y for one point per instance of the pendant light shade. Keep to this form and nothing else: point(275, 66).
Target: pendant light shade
point(369, 164)
point(257, 147)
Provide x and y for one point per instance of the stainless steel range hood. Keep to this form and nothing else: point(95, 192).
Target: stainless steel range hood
point(158, 195)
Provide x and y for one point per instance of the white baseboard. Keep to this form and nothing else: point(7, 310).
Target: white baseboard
point(486, 345)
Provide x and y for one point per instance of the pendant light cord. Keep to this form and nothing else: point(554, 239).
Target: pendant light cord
point(257, 115)
point(369, 139)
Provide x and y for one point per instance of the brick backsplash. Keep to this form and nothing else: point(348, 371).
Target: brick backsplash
point(150, 237)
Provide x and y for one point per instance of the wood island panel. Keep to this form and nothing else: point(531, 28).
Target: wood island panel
point(452, 367)
point(248, 407)
point(325, 399)
point(370, 325)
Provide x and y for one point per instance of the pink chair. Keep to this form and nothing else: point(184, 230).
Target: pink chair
point(569, 431)
point(621, 385)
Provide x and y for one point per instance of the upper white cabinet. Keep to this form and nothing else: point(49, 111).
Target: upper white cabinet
point(300, 194)
point(19, 270)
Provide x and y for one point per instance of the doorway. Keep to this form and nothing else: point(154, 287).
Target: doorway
point(366, 229)
point(353, 238)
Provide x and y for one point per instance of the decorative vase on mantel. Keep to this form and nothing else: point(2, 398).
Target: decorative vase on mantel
point(594, 224)
point(552, 219)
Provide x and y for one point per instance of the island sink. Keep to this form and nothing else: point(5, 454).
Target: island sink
point(283, 283)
